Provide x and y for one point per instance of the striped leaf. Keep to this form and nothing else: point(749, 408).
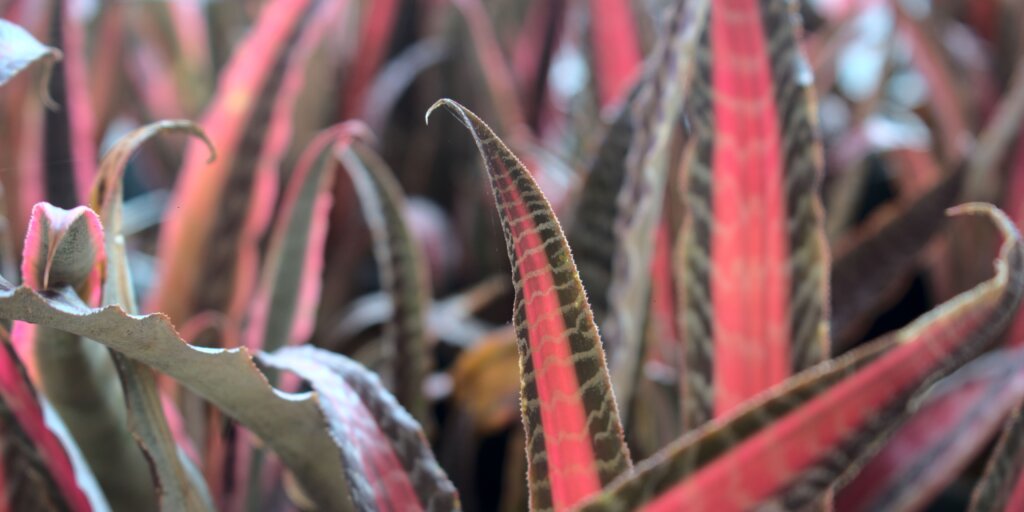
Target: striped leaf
point(754, 246)
point(180, 485)
point(591, 231)
point(784, 450)
point(387, 459)
point(209, 262)
point(656, 115)
point(574, 438)
point(402, 270)
point(952, 425)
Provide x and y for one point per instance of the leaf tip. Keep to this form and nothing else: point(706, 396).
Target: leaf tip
point(451, 104)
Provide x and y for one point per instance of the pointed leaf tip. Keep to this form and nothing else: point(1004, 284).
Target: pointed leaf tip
point(569, 412)
point(460, 112)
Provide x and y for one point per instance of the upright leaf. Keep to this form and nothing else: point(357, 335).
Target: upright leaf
point(756, 290)
point(177, 481)
point(574, 438)
point(285, 302)
point(616, 48)
point(387, 458)
point(65, 248)
point(591, 232)
point(785, 449)
point(402, 272)
point(238, 123)
point(656, 115)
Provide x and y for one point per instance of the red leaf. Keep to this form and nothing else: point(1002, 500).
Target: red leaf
point(951, 427)
point(573, 433)
point(27, 438)
point(785, 449)
point(754, 243)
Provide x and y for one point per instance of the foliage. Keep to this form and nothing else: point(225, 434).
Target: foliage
point(756, 250)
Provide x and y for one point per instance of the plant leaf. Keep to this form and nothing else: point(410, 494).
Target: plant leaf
point(953, 424)
point(591, 232)
point(386, 456)
point(290, 424)
point(402, 271)
point(784, 450)
point(66, 248)
point(18, 49)
point(755, 250)
point(573, 434)
point(656, 114)
point(886, 250)
point(40, 468)
point(1001, 486)
point(176, 479)
point(63, 248)
point(239, 123)
point(285, 304)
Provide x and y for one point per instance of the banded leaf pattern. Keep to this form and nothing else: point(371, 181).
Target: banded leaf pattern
point(402, 271)
point(590, 233)
point(657, 112)
point(954, 423)
point(574, 438)
point(784, 450)
point(754, 245)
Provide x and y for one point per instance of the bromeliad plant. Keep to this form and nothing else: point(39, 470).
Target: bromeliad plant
point(687, 343)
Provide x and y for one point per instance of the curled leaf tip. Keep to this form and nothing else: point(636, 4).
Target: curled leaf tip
point(50, 61)
point(999, 217)
point(460, 112)
point(439, 103)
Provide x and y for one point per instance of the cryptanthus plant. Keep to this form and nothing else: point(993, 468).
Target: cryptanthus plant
point(704, 334)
